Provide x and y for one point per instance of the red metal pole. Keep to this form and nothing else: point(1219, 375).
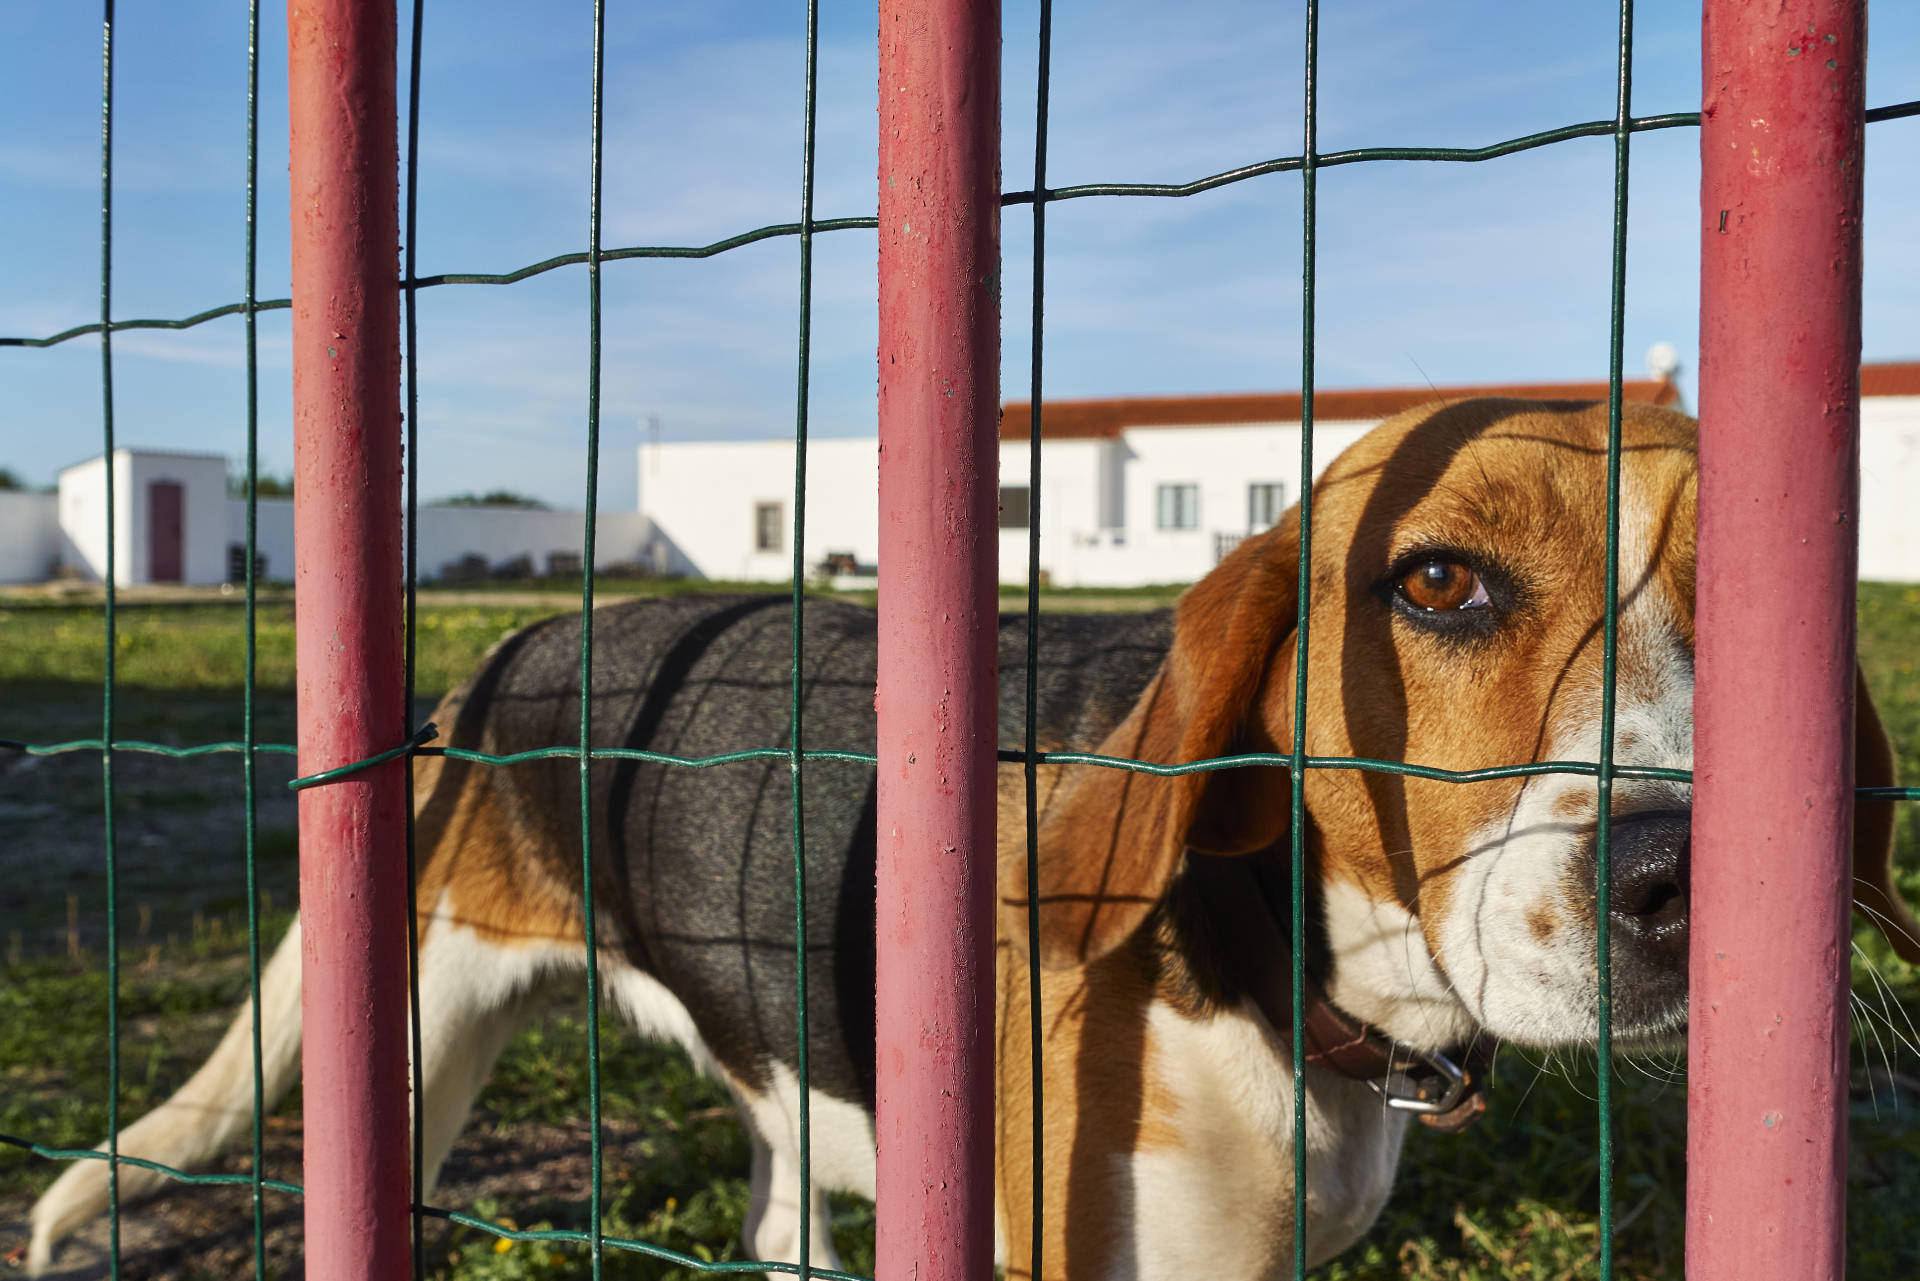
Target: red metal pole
point(937, 702)
point(1781, 152)
point(347, 607)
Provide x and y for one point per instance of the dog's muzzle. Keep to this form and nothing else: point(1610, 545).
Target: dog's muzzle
point(1649, 858)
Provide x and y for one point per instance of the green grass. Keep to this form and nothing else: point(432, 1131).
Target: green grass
point(167, 656)
point(1890, 657)
point(1513, 1197)
point(53, 1053)
point(676, 1172)
point(180, 668)
point(679, 1180)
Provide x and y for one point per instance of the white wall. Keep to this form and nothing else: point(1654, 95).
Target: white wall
point(1890, 489)
point(1097, 508)
point(83, 519)
point(1079, 517)
point(701, 496)
point(1223, 462)
point(29, 536)
point(504, 533)
point(448, 533)
point(272, 535)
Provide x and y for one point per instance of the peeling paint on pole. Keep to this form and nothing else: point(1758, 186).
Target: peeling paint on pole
point(347, 601)
point(1781, 143)
point(939, 362)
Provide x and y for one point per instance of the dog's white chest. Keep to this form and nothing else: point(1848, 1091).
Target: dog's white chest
point(1213, 1190)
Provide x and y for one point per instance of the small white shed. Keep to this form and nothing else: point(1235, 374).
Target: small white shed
point(29, 536)
point(169, 517)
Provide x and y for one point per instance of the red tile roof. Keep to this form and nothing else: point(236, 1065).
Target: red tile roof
point(1095, 419)
point(1895, 378)
point(1104, 419)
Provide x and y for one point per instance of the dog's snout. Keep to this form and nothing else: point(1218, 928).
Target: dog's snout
point(1650, 853)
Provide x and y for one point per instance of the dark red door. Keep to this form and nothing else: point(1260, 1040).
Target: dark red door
point(166, 516)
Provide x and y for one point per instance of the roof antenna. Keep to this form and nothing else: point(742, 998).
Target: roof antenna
point(1663, 361)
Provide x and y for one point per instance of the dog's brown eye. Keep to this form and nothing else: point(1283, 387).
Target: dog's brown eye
point(1437, 585)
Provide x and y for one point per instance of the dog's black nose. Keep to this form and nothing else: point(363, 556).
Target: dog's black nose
point(1649, 857)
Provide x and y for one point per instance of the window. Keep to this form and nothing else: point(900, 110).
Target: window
point(768, 523)
point(1016, 506)
point(1265, 501)
point(1177, 507)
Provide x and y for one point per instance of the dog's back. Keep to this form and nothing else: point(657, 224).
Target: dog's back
point(694, 868)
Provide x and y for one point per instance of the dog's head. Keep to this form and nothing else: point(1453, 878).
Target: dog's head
point(1457, 571)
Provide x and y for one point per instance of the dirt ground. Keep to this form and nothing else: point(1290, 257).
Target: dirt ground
point(180, 839)
point(179, 836)
point(199, 1233)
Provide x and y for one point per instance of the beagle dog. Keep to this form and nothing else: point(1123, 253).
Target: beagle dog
point(1457, 580)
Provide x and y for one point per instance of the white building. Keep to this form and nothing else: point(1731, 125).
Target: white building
point(1135, 491)
point(1890, 472)
point(174, 521)
point(1156, 489)
point(169, 517)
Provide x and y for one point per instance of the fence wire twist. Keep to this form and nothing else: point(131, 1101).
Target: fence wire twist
point(1298, 761)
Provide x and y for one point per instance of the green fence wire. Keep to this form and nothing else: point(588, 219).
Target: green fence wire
point(250, 761)
point(106, 692)
point(1030, 771)
point(410, 337)
point(796, 756)
point(1610, 645)
point(589, 905)
point(1308, 163)
point(1297, 770)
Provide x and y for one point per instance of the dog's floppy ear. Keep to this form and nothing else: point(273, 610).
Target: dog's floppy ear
point(1112, 839)
point(1873, 888)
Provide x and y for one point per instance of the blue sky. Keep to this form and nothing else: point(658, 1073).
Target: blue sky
point(1427, 273)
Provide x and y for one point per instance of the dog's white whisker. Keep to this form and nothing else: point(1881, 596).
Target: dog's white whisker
point(1539, 1071)
point(1857, 1017)
point(1910, 1039)
point(1886, 924)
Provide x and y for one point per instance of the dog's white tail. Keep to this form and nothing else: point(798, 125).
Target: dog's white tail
point(207, 1114)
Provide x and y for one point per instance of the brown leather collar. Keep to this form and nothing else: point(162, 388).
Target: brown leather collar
point(1239, 894)
point(1445, 1091)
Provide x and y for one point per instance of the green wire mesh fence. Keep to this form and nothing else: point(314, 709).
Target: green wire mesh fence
point(1307, 163)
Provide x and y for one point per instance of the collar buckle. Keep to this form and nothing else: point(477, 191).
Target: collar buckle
point(1436, 1090)
point(1444, 1091)
point(1445, 1095)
